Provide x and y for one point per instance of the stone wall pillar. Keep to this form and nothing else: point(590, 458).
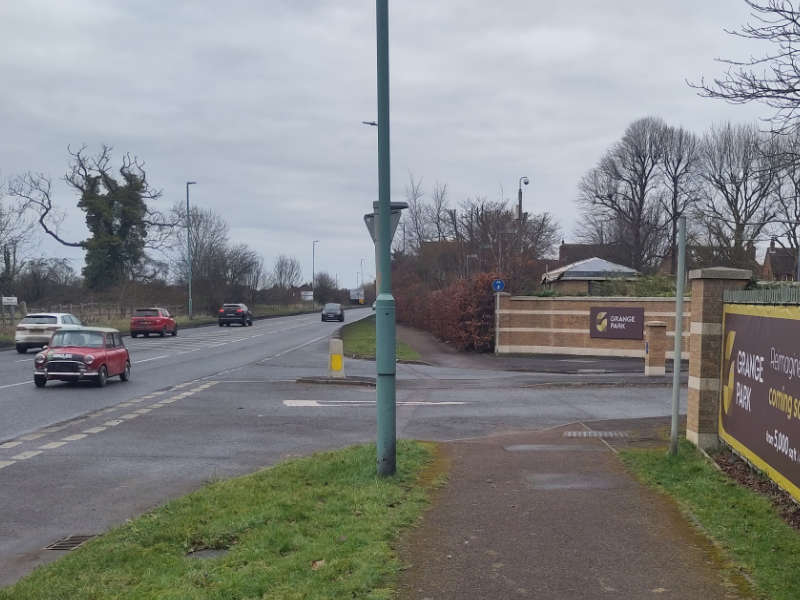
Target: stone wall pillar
point(706, 347)
point(655, 356)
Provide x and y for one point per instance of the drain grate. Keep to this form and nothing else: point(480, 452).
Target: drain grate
point(69, 543)
point(596, 434)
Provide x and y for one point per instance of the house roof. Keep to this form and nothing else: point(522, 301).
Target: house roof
point(570, 253)
point(596, 269)
point(781, 260)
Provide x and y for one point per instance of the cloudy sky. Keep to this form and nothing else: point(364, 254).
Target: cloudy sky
point(261, 101)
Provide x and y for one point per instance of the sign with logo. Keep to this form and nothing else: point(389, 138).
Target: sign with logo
point(759, 413)
point(498, 285)
point(9, 300)
point(616, 322)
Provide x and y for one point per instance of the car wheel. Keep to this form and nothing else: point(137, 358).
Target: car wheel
point(341, 318)
point(250, 322)
point(22, 349)
point(126, 374)
point(175, 331)
point(322, 319)
point(40, 381)
point(133, 335)
point(163, 332)
point(221, 323)
point(102, 376)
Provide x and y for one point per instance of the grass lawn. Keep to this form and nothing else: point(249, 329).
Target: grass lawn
point(320, 527)
point(359, 341)
point(742, 522)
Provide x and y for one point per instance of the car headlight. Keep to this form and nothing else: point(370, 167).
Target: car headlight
point(88, 359)
point(40, 358)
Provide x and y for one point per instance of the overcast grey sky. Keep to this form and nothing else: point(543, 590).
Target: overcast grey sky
point(261, 102)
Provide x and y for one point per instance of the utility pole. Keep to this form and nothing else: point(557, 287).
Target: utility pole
point(384, 305)
point(680, 278)
point(189, 244)
point(313, 269)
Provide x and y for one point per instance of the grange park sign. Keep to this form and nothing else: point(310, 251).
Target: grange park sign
point(759, 412)
point(616, 322)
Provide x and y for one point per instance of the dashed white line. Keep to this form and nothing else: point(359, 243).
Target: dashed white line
point(10, 385)
point(95, 429)
point(10, 445)
point(75, 437)
point(5, 463)
point(27, 455)
point(52, 445)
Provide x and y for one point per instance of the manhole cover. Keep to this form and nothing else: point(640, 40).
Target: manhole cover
point(596, 434)
point(69, 543)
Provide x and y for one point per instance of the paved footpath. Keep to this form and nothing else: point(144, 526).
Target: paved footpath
point(547, 515)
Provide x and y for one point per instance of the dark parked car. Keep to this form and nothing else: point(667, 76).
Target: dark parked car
point(332, 312)
point(235, 313)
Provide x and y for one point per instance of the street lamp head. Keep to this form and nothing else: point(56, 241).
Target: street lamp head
point(525, 180)
point(190, 182)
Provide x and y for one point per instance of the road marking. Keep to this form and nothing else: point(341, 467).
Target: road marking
point(137, 362)
point(27, 455)
point(10, 385)
point(75, 437)
point(5, 463)
point(52, 445)
point(112, 423)
point(143, 411)
point(95, 430)
point(343, 403)
point(24, 360)
point(10, 444)
point(129, 416)
point(31, 436)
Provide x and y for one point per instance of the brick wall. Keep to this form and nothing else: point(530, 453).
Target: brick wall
point(533, 325)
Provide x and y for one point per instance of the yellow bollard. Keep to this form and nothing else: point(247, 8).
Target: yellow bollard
point(336, 350)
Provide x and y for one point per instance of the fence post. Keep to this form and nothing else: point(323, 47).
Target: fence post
point(705, 346)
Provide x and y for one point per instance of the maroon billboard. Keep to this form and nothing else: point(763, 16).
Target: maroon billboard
point(759, 414)
point(616, 322)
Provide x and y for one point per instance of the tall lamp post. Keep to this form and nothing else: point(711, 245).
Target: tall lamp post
point(520, 214)
point(313, 269)
point(189, 245)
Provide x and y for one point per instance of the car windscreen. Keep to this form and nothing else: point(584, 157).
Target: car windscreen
point(39, 320)
point(83, 339)
point(146, 312)
point(231, 306)
point(331, 307)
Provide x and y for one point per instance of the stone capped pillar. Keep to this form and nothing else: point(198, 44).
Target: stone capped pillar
point(655, 356)
point(705, 350)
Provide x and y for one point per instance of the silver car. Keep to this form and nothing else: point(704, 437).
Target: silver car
point(35, 330)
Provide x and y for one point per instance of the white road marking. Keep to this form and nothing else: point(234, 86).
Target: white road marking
point(129, 416)
point(10, 445)
point(95, 430)
point(24, 360)
point(27, 455)
point(52, 445)
point(75, 437)
point(144, 411)
point(112, 423)
point(10, 385)
point(137, 362)
point(5, 463)
point(301, 403)
point(344, 403)
point(31, 436)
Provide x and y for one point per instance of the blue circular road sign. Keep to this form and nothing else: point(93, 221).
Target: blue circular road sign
point(498, 285)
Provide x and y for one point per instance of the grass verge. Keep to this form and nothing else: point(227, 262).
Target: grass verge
point(359, 341)
point(742, 522)
point(320, 527)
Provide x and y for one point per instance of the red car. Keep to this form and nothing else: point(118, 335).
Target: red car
point(83, 354)
point(153, 320)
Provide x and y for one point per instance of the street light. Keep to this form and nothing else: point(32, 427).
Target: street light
point(313, 267)
point(526, 181)
point(189, 245)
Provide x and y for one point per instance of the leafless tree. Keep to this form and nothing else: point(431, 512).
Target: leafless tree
point(286, 272)
point(740, 167)
point(679, 166)
point(438, 211)
point(786, 229)
point(624, 188)
point(774, 78)
point(15, 237)
point(416, 213)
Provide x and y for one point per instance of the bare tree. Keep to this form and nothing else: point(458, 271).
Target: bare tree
point(774, 78)
point(416, 214)
point(438, 213)
point(679, 166)
point(624, 188)
point(787, 225)
point(740, 167)
point(15, 236)
point(286, 272)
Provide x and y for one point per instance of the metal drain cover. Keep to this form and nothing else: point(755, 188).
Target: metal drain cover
point(596, 434)
point(69, 543)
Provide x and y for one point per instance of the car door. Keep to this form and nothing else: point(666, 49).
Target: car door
point(112, 355)
point(121, 351)
point(169, 320)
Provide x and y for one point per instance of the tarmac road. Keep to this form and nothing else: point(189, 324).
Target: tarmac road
point(157, 363)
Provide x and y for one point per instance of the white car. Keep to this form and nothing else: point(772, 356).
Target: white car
point(35, 330)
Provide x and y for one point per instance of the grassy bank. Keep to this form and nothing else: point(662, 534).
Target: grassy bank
point(359, 341)
point(742, 522)
point(321, 527)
